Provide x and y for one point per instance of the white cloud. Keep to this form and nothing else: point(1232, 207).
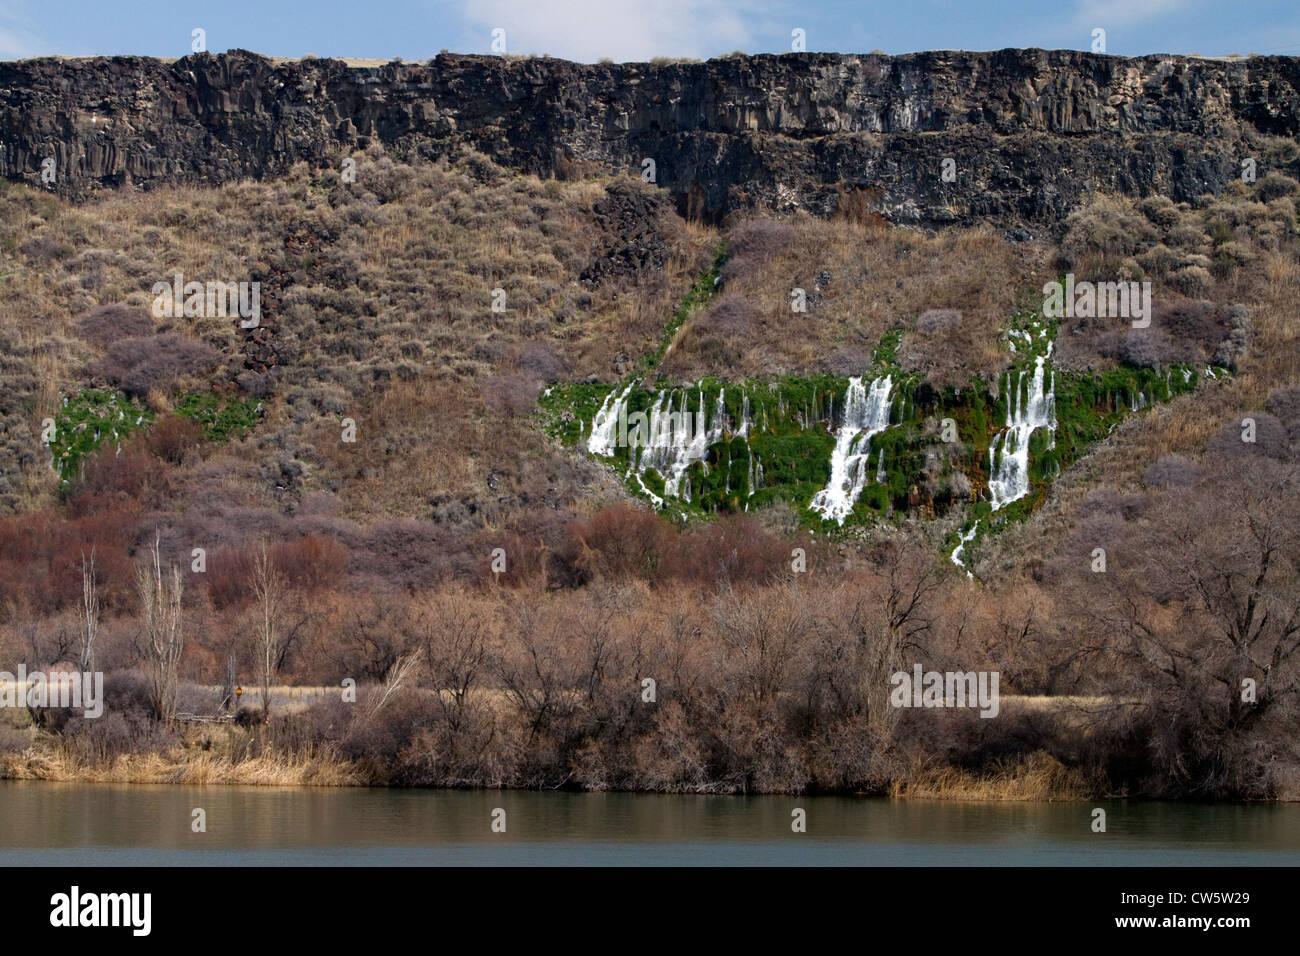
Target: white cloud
point(586, 30)
point(16, 40)
point(1112, 14)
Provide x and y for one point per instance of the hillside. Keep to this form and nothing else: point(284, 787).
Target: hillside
point(895, 453)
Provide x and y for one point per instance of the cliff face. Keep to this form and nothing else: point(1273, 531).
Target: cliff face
point(1030, 131)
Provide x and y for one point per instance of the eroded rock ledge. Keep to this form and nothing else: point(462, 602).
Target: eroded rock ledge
point(1030, 131)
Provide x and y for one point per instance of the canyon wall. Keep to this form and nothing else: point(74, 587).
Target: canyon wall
point(1030, 131)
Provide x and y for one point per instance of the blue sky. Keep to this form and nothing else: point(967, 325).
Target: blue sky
point(587, 30)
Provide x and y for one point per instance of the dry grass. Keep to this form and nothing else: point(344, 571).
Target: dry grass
point(862, 279)
point(185, 767)
point(377, 303)
point(1037, 777)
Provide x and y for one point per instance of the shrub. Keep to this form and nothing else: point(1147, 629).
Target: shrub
point(1102, 233)
point(172, 437)
point(312, 562)
point(1188, 236)
point(1173, 471)
point(510, 393)
point(732, 550)
point(1192, 281)
point(759, 239)
point(114, 474)
point(1149, 348)
point(1285, 404)
point(620, 541)
point(106, 324)
point(847, 362)
point(1270, 439)
point(141, 363)
point(540, 360)
point(1161, 210)
point(1159, 259)
point(933, 321)
point(731, 316)
point(1276, 186)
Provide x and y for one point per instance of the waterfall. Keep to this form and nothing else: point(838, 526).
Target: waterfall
point(604, 426)
point(746, 422)
point(674, 438)
point(866, 414)
point(1009, 452)
point(961, 546)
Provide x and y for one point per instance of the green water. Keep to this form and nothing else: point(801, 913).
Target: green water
point(89, 824)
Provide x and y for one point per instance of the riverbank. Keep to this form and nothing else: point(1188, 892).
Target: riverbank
point(1037, 777)
point(420, 740)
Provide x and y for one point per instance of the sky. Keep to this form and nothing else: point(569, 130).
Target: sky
point(589, 30)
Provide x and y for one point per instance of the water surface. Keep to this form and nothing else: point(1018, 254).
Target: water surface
point(90, 824)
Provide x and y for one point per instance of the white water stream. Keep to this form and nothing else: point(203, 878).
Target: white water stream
point(866, 414)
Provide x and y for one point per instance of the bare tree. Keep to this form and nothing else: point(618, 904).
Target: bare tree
point(89, 611)
point(160, 600)
point(1203, 623)
point(760, 630)
point(268, 588)
point(455, 650)
point(395, 680)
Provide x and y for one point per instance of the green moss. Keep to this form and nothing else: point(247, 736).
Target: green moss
point(885, 356)
point(92, 418)
point(791, 434)
point(696, 297)
point(222, 419)
point(568, 408)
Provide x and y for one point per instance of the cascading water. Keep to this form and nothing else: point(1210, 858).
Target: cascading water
point(866, 414)
point(961, 547)
point(1009, 452)
point(604, 426)
point(666, 438)
point(675, 444)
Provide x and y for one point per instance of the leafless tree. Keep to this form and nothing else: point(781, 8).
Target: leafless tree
point(160, 601)
point(455, 651)
point(1203, 623)
point(761, 630)
point(89, 611)
point(268, 587)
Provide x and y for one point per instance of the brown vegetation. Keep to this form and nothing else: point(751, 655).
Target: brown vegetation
point(373, 559)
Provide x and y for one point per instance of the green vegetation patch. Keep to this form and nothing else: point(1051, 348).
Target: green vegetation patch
point(785, 452)
point(223, 419)
point(697, 296)
point(89, 419)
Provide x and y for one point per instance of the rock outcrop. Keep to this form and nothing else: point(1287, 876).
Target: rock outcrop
point(1029, 131)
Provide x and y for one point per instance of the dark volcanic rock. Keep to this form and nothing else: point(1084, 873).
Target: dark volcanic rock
point(631, 217)
point(1031, 131)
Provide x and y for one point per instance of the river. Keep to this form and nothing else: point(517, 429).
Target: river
point(106, 824)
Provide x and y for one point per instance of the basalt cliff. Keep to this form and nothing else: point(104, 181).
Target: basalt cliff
point(1029, 132)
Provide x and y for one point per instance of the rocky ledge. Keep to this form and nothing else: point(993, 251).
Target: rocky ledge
point(1029, 132)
